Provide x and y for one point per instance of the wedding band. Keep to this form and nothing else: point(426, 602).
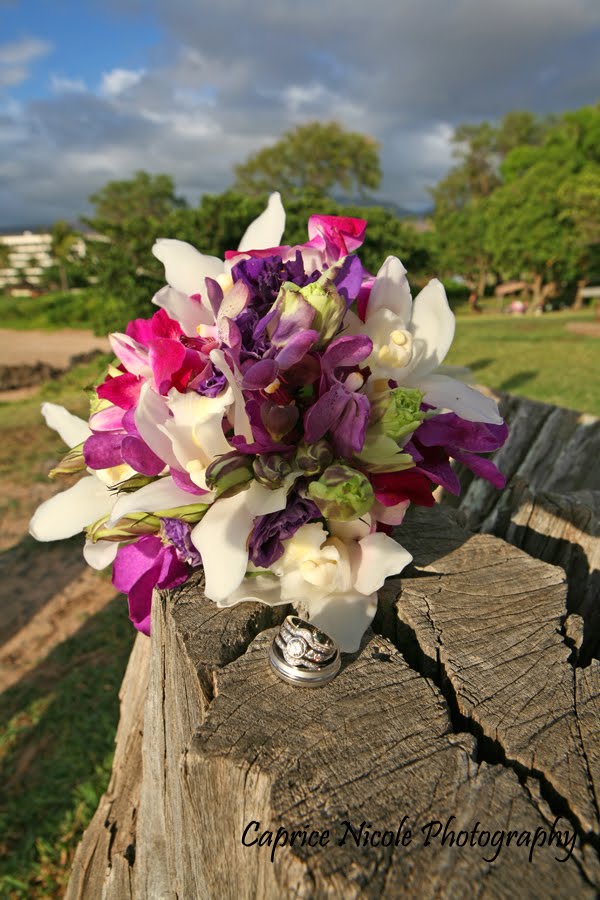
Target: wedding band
point(303, 654)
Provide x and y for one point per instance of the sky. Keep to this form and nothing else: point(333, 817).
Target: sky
point(93, 90)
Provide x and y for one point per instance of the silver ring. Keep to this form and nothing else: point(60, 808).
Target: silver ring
point(303, 654)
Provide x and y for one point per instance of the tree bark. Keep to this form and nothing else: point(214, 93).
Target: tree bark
point(578, 302)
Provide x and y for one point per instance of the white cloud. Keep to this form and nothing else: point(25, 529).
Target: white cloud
point(117, 81)
point(212, 92)
point(62, 85)
point(16, 58)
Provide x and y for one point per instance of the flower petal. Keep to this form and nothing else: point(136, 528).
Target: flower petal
point(432, 326)
point(185, 267)
point(72, 429)
point(100, 554)
point(267, 230)
point(446, 393)
point(345, 617)
point(380, 556)
point(69, 512)
point(188, 311)
point(241, 422)
point(131, 353)
point(391, 291)
point(221, 536)
point(258, 589)
point(390, 515)
point(152, 412)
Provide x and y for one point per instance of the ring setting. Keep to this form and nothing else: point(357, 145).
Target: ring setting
point(302, 654)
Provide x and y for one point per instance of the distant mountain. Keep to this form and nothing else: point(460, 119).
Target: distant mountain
point(399, 211)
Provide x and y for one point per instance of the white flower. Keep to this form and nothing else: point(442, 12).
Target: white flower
point(186, 268)
point(69, 512)
point(331, 579)
point(92, 497)
point(185, 430)
point(411, 340)
point(222, 535)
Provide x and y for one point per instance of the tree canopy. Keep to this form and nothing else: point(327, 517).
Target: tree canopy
point(318, 157)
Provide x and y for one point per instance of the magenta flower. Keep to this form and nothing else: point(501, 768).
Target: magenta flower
point(142, 566)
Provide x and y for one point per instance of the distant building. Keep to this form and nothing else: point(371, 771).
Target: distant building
point(30, 254)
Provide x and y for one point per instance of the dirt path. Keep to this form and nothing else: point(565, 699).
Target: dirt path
point(53, 347)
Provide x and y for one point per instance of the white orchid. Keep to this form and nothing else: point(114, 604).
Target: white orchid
point(70, 511)
point(185, 430)
point(186, 269)
point(411, 340)
point(331, 578)
point(94, 497)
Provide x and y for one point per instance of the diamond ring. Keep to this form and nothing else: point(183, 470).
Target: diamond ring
point(303, 654)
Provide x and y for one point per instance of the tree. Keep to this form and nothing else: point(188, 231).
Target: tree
point(143, 196)
point(525, 235)
point(64, 239)
point(4, 255)
point(318, 157)
point(579, 196)
point(129, 216)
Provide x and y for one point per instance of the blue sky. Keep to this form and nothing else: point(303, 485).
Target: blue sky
point(95, 90)
point(83, 40)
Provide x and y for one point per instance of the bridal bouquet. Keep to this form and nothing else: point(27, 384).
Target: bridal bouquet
point(271, 422)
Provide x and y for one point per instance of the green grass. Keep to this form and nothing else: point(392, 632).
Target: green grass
point(533, 356)
point(56, 309)
point(27, 446)
point(57, 730)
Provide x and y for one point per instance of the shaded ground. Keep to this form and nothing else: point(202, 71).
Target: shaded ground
point(64, 644)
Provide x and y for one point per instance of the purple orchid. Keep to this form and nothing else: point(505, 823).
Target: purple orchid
point(342, 410)
point(447, 436)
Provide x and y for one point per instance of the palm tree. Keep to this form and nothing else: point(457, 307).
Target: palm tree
point(63, 241)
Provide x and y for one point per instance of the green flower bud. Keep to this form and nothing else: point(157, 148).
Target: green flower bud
point(397, 413)
point(191, 512)
point(130, 526)
point(312, 459)
point(330, 307)
point(342, 493)
point(132, 484)
point(272, 469)
point(71, 463)
point(318, 306)
point(229, 472)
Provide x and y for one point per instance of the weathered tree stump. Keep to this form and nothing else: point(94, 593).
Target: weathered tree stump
point(467, 700)
point(551, 505)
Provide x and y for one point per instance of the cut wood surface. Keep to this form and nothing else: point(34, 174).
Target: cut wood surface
point(467, 700)
point(551, 504)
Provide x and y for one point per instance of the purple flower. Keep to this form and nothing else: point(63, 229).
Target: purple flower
point(142, 566)
point(269, 531)
point(178, 533)
point(341, 409)
point(448, 436)
point(104, 449)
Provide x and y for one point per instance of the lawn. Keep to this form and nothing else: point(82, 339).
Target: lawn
point(534, 356)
